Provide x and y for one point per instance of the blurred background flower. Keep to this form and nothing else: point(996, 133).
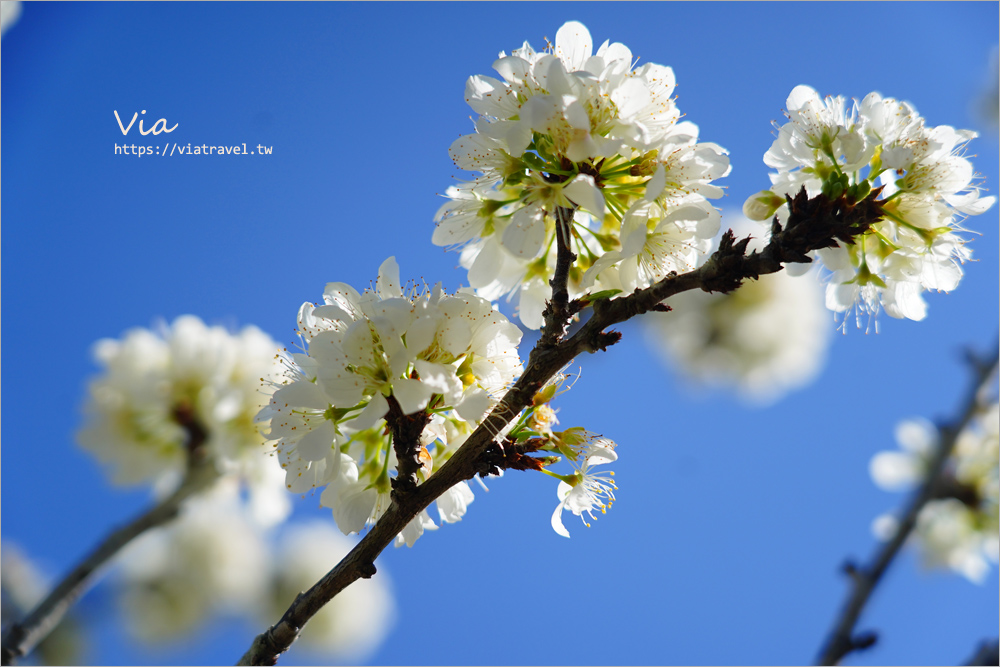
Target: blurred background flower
point(761, 341)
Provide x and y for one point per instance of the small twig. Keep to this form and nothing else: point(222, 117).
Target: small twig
point(557, 313)
point(988, 653)
point(812, 224)
point(22, 637)
point(406, 430)
point(842, 639)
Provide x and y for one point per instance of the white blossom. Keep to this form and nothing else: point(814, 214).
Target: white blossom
point(590, 133)
point(451, 354)
point(148, 376)
point(587, 490)
point(212, 558)
point(843, 149)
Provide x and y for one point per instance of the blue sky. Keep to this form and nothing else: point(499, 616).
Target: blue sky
point(731, 522)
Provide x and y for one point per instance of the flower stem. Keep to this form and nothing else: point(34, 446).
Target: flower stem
point(557, 311)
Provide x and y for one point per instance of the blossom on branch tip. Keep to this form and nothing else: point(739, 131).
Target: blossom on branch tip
point(845, 151)
point(589, 133)
point(372, 355)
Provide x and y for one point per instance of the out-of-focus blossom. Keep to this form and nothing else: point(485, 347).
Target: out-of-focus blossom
point(212, 559)
point(766, 338)
point(10, 12)
point(149, 377)
point(959, 529)
point(24, 585)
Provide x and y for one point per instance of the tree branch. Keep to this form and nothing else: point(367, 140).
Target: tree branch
point(842, 639)
point(557, 313)
point(812, 224)
point(406, 430)
point(22, 637)
point(988, 653)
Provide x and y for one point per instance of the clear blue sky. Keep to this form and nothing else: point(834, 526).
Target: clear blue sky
point(731, 523)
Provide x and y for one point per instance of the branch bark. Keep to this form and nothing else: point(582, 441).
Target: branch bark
point(812, 224)
point(988, 653)
point(557, 313)
point(22, 637)
point(842, 639)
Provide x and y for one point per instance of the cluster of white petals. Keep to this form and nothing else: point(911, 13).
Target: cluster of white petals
point(216, 376)
point(452, 355)
point(765, 339)
point(590, 133)
point(959, 530)
point(842, 148)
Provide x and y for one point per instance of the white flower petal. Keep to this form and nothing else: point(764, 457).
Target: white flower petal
point(376, 409)
point(412, 395)
point(525, 234)
point(454, 502)
point(584, 193)
point(557, 522)
point(316, 444)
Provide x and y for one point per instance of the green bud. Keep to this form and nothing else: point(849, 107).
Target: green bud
point(762, 206)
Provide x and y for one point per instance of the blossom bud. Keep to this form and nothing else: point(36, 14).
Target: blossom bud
point(762, 205)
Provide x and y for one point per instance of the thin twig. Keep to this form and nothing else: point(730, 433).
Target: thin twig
point(557, 314)
point(842, 639)
point(812, 224)
point(988, 653)
point(22, 637)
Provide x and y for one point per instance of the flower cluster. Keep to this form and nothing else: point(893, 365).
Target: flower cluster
point(151, 378)
point(210, 559)
point(378, 356)
point(766, 338)
point(959, 529)
point(217, 557)
point(590, 143)
point(842, 149)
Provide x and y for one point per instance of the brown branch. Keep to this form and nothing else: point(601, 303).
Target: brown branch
point(21, 638)
point(842, 639)
point(557, 313)
point(724, 271)
point(406, 430)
